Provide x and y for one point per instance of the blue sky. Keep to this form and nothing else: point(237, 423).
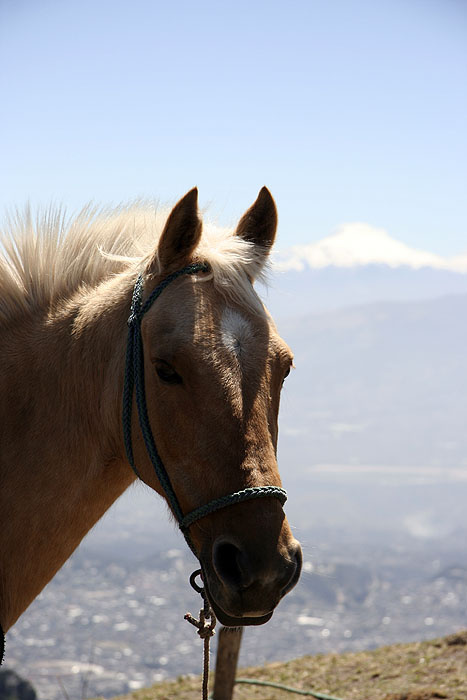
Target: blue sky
point(349, 110)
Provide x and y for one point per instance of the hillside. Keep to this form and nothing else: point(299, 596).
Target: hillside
point(416, 671)
point(377, 383)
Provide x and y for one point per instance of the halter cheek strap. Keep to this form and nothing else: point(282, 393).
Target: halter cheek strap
point(134, 382)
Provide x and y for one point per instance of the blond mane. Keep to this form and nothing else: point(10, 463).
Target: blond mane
point(50, 256)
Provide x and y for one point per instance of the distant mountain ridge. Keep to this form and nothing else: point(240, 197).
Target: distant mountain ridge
point(293, 293)
point(378, 383)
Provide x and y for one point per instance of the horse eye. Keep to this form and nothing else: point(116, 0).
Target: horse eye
point(166, 373)
point(286, 375)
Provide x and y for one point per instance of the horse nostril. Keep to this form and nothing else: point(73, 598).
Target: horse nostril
point(295, 574)
point(231, 565)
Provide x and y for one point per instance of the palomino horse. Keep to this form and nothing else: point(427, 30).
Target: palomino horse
point(213, 367)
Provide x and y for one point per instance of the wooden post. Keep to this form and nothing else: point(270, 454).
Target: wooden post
point(228, 648)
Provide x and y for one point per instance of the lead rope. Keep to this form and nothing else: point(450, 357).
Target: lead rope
point(205, 626)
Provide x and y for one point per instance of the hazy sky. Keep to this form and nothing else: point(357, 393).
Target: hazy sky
point(349, 110)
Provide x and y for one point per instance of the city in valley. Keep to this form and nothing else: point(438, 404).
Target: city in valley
point(112, 619)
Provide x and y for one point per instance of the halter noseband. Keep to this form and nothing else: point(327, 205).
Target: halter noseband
point(134, 380)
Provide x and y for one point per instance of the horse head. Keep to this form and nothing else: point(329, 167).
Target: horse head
point(214, 365)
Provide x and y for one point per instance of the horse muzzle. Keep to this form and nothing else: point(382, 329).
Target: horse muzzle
point(244, 587)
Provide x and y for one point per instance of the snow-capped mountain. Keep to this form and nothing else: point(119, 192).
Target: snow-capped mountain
point(359, 264)
point(357, 244)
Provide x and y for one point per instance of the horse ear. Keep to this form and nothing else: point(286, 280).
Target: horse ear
point(181, 233)
point(258, 225)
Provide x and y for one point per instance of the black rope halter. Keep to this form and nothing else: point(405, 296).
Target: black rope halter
point(134, 382)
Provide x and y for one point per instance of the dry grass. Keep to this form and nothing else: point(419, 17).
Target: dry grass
point(416, 671)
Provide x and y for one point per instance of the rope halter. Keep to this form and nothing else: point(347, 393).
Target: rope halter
point(134, 382)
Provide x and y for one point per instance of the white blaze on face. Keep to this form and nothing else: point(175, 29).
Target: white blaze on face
point(235, 330)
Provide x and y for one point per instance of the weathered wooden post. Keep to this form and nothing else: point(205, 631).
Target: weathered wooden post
point(228, 648)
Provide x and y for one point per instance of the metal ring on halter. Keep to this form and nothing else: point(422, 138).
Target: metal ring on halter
point(193, 584)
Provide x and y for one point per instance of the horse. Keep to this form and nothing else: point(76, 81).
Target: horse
point(213, 366)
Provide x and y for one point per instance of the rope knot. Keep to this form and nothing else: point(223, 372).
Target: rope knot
point(207, 620)
point(206, 623)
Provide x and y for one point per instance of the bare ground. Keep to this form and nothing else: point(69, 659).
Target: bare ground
point(416, 671)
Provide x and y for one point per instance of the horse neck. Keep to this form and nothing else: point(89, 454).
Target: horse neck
point(61, 461)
